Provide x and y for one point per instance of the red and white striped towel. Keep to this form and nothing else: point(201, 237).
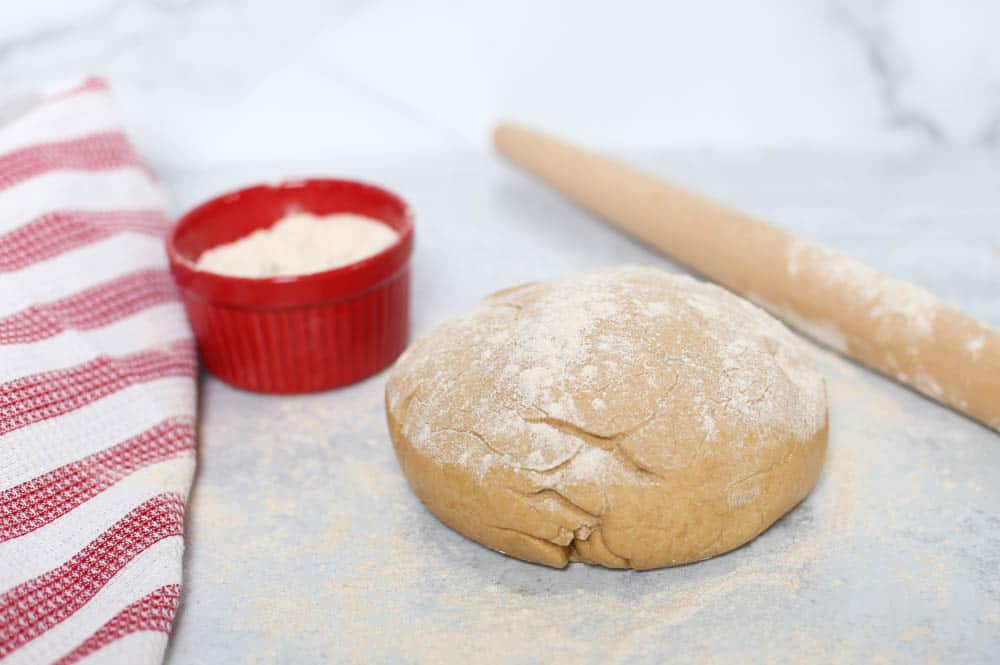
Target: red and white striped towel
point(97, 389)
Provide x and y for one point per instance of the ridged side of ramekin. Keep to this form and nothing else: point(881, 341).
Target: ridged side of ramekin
point(299, 333)
point(303, 349)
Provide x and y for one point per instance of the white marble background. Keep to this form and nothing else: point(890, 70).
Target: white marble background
point(208, 82)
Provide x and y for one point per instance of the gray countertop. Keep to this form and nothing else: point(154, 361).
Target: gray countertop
point(305, 544)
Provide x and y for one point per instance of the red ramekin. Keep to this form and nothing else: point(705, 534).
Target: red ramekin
point(302, 333)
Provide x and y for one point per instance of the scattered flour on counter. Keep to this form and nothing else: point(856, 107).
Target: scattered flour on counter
point(300, 244)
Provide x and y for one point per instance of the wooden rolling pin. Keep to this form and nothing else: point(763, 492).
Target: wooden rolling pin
point(889, 325)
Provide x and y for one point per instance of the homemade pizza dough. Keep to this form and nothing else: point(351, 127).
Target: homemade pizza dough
point(627, 417)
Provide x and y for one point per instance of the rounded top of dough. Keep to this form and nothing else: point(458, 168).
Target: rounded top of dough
point(627, 417)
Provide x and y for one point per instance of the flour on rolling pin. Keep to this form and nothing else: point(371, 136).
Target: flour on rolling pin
point(889, 325)
point(300, 244)
point(883, 321)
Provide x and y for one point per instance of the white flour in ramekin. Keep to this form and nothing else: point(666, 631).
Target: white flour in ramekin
point(299, 244)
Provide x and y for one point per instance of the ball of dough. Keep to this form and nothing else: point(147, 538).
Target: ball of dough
point(626, 417)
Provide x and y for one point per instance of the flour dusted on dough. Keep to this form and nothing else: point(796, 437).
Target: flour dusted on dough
point(299, 244)
point(607, 384)
point(541, 363)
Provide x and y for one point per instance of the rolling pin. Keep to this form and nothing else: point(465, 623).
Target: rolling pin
point(893, 327)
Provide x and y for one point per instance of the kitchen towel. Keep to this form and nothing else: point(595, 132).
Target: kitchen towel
point(97, 389)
